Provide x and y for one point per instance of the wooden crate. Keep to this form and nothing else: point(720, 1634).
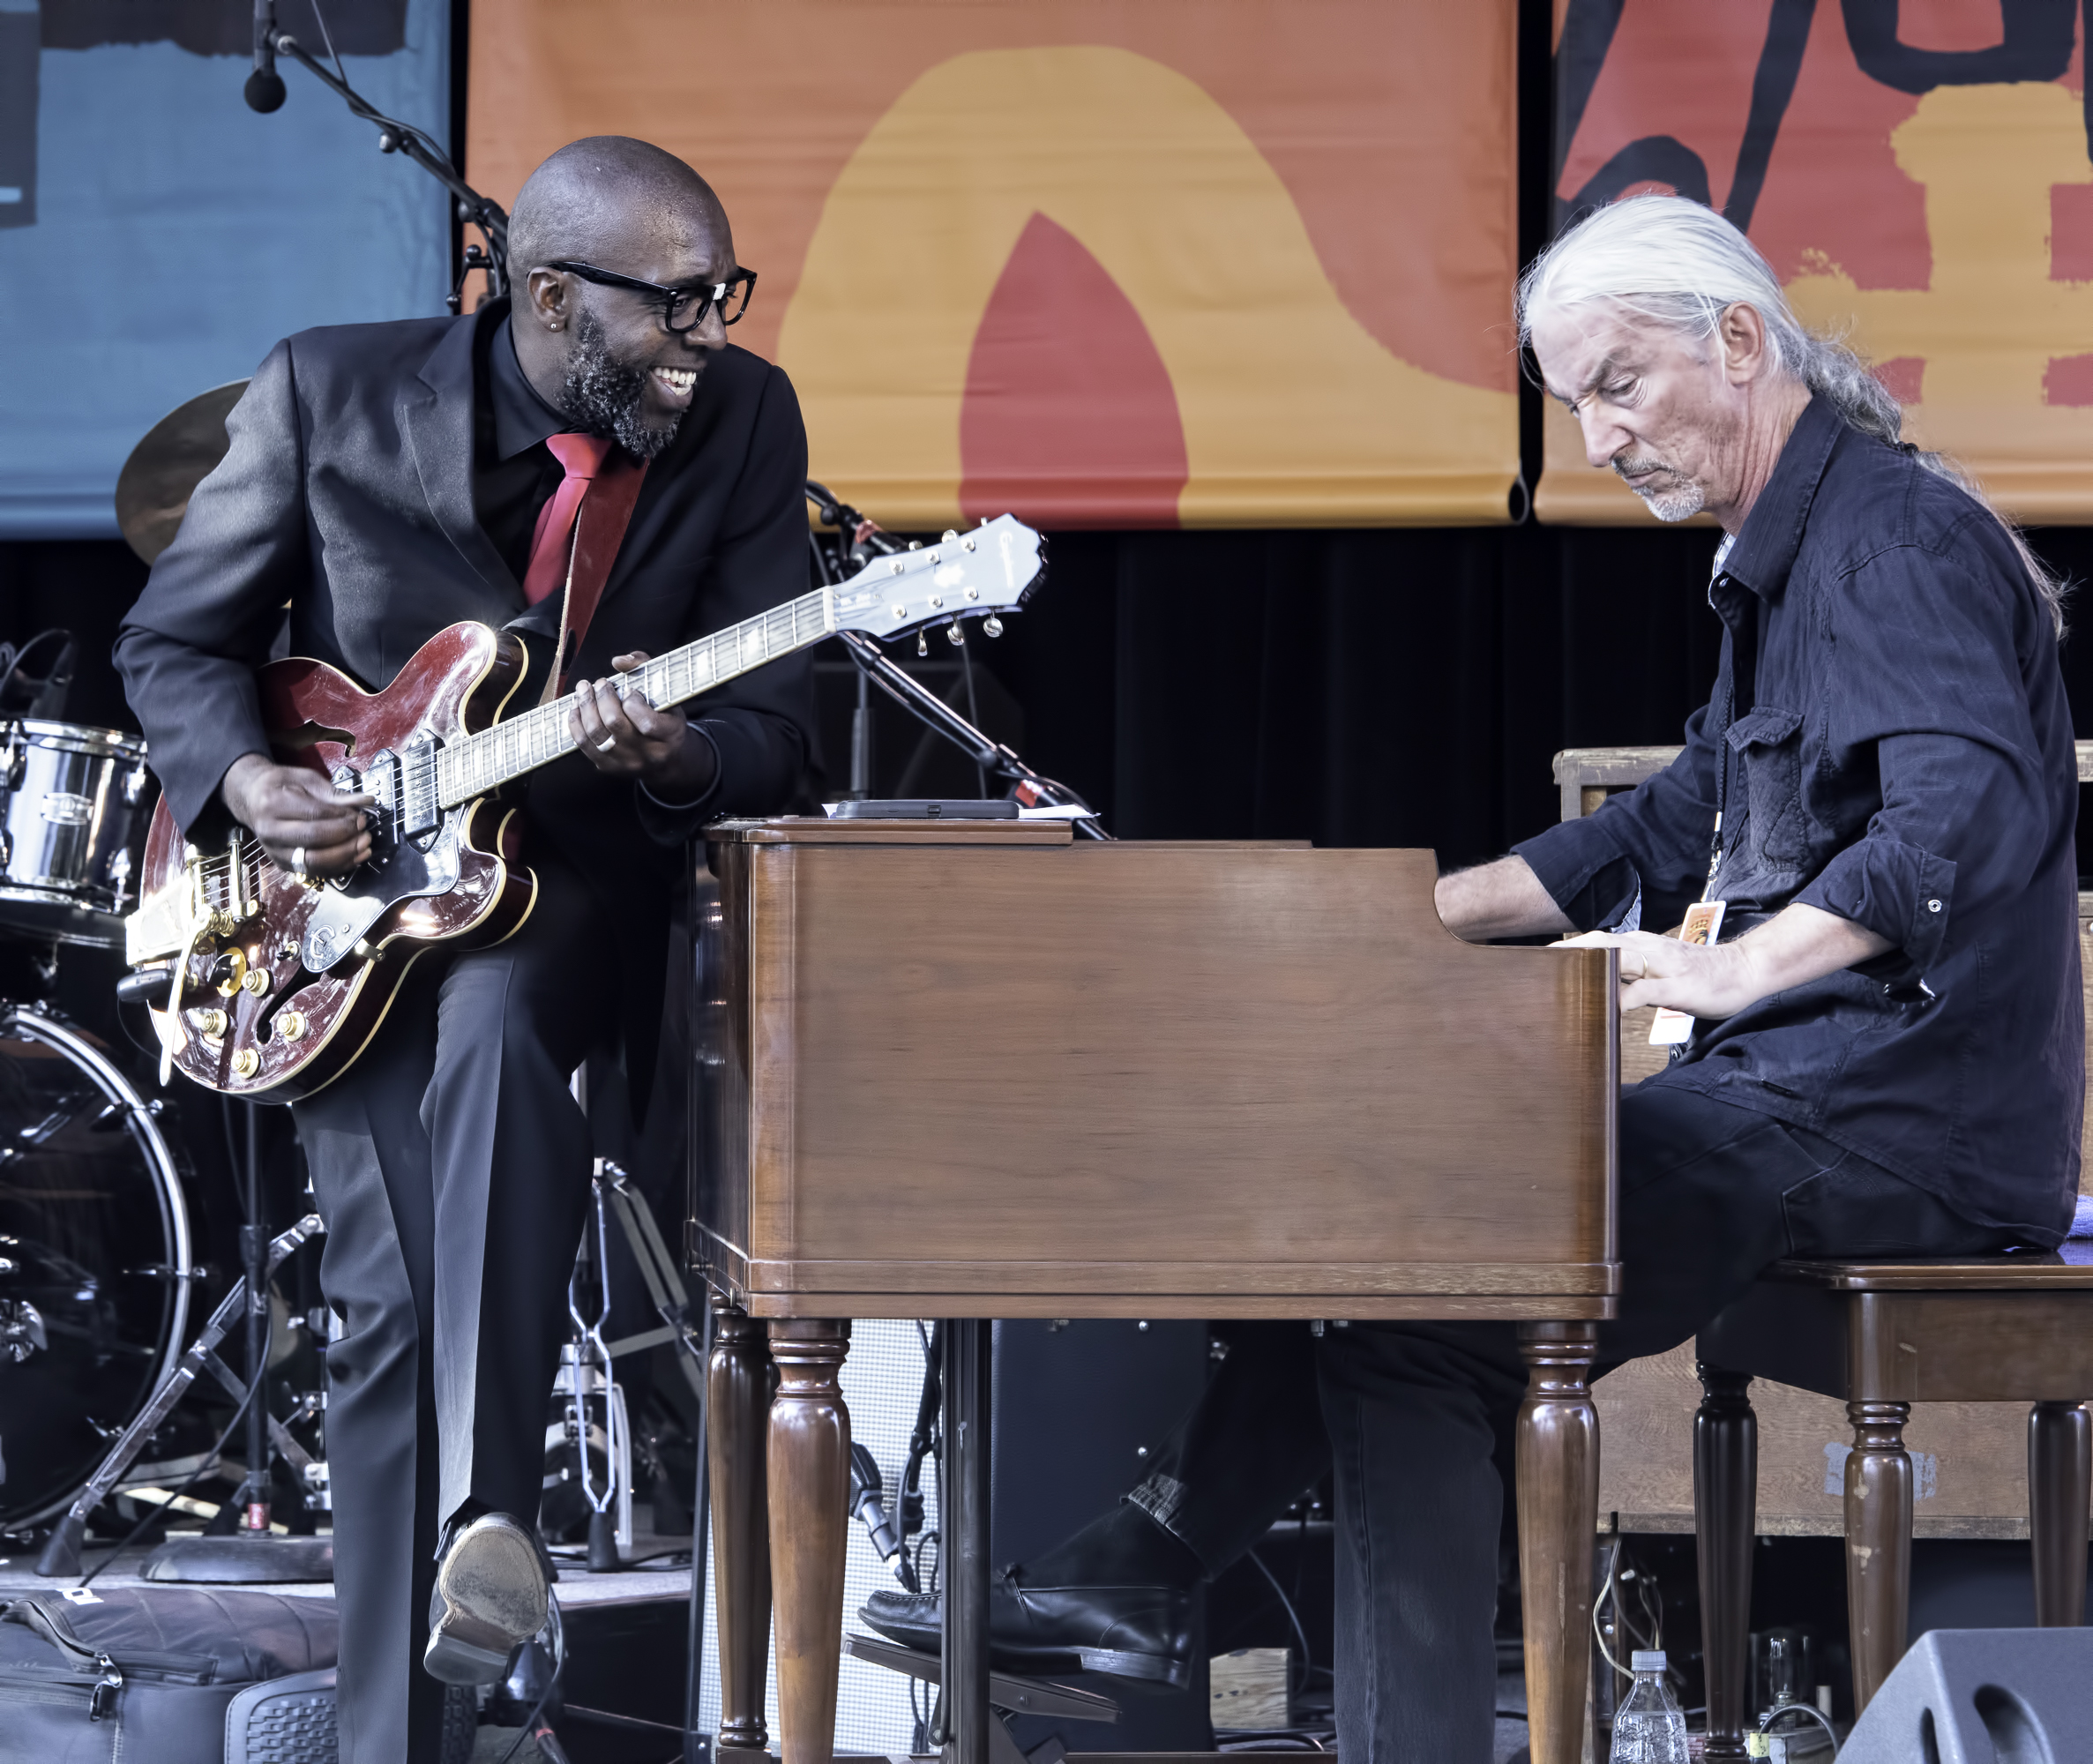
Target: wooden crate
point(1970, 1459)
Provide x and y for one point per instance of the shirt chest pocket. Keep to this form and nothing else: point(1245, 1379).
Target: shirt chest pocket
point(1766, 781)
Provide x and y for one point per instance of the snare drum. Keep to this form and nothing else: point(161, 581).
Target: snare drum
point(77, 804)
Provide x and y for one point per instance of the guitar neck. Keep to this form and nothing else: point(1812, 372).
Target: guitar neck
point(484, 762)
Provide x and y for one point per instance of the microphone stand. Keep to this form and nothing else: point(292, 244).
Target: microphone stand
point(402, 137)
point(1032, 789)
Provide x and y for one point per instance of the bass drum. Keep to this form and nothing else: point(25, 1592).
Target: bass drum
point(94, 1262)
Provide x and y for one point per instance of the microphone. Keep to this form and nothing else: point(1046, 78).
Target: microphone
point(866, 1505)
point(264, 90)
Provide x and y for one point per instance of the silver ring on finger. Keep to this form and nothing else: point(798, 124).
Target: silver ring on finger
point(607, 743)
point(298, 861)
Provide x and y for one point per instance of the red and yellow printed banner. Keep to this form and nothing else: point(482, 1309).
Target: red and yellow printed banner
point(1918, 175)
point(1197, 262)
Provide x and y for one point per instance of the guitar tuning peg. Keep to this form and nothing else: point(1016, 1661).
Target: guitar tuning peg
point(955, 634)
point(922, 643)
point(992, 626)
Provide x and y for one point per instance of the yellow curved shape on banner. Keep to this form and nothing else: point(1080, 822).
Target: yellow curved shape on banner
point(1293, 413)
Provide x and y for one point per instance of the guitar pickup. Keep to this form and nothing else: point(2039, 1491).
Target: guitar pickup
point(420, 808)
point(379, 780)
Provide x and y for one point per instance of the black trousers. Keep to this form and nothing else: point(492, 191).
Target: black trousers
point(1414, 1420)
point(452, 1167)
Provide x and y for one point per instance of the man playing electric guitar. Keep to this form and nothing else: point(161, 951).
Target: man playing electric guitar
point(386, 481)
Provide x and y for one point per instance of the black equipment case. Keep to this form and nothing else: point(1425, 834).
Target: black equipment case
point(147, 1675)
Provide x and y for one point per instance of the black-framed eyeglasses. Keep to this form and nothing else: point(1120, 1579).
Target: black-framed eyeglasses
point(683, 309)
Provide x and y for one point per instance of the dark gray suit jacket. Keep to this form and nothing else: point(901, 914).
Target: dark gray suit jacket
point(347, 495)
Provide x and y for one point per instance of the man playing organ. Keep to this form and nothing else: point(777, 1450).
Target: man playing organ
point(1882, 1049)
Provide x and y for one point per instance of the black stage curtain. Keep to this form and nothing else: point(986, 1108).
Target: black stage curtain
point(1374, 688)
point(1388, 687)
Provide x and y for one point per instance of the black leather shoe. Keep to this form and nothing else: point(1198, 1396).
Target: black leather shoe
point(1129, 1632)
point(491, 1596)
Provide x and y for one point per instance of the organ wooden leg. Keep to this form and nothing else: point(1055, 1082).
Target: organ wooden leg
point(738, 1383)
point(810, 1487)
point(1726, 1493)
point(1877, 1543)
point(1558, 1518)
point(2059, 1472)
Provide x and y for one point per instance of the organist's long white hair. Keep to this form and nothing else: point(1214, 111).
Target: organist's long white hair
point(1676, 262)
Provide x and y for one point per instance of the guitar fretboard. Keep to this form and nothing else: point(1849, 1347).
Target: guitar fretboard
point(483, 762)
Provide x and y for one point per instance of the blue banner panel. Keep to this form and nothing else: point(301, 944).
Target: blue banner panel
point(157, 237)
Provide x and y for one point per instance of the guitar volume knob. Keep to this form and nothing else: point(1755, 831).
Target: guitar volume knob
point(246, 1063)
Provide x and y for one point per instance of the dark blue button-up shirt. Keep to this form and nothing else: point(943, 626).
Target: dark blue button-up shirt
point(1889, 741)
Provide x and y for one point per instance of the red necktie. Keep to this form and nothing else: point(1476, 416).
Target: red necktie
point(582, 456)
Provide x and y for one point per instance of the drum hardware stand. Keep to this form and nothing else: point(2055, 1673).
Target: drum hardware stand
point(664, 1284)
point(62, 1550)
point(585, 1375)
point(252, 1554)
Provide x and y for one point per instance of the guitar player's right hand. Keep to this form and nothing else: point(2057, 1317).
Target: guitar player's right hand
point(287, 807)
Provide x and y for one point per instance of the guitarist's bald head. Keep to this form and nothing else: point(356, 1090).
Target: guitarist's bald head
point(595, 199)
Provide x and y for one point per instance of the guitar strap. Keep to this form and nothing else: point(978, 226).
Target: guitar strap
point(599, 530)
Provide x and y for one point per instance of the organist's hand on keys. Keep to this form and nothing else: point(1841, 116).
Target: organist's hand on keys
point(1799, 944)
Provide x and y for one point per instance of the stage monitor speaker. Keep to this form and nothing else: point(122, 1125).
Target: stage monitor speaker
point(1973, 1696)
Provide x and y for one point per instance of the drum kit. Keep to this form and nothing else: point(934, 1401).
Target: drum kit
point(100, 1262)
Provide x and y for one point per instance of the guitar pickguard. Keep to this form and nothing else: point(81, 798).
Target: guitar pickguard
point(343, 910)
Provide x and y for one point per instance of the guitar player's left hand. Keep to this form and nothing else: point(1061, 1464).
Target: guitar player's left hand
point(627, 737)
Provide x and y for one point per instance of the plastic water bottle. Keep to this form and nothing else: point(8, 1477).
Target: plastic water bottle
point(1649, 1728)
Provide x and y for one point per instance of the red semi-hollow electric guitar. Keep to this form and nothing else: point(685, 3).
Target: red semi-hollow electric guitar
point(277, 983)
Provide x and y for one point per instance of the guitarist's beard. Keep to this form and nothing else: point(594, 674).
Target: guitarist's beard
point(602, 395)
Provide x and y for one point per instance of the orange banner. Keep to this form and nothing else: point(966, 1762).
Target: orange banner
point(1197, 262)
point(1916, 174)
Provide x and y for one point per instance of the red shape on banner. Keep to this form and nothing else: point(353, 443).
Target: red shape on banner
point(1069, 418)
point(2071, 232)
point(2068, 381)
point(1903, 378)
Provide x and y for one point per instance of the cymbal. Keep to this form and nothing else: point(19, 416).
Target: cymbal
point(178, 452)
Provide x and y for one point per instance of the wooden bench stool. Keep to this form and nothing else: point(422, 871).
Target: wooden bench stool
point(1881, 1336)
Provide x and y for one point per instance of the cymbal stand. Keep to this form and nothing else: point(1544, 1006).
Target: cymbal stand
point(62, 1550)
point(254, 1254)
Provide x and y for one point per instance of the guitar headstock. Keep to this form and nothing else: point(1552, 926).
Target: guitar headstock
point(990, 570)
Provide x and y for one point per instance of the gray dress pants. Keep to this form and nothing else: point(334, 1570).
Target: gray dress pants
point(451, 1166)
point(1416, 1418)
